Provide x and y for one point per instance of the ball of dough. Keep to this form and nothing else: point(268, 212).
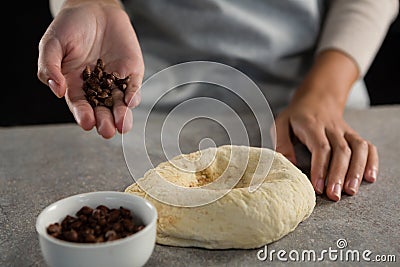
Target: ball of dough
point(240, 219)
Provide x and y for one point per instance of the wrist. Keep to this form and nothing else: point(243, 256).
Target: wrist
point(57, 5)
point(73, 3)
point(330, 78)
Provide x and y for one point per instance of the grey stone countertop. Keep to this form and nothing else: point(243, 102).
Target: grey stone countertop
point(42, 164)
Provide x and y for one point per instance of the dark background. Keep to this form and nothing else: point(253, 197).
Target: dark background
point(25, 100)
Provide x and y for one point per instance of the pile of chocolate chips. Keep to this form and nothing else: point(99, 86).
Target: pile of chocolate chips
point(96, 225)
point(98, 85)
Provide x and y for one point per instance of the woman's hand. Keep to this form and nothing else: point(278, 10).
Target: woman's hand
point(82, 32)
point(340, 158)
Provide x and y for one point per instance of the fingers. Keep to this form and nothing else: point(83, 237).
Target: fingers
point(353, 158)
point(132, 93)
point(340, 158)
point(283, 142)
point(359, 151)
point(104, 122)
point(321, 152)
point(341, 155)
point(49, 65)
point(120, 117)
point(371, 169)
point(122, 114)
point(80, 109)
point(317, 142)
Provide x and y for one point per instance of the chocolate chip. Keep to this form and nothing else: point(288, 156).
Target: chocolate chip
point(100, 63)
point(86, 73)
point(71, 235)
point(125, 212)
point(98, 84)
point(113, 216)
point(85, 210)
point(108, 102)
point(111, 235)
point(54, 229)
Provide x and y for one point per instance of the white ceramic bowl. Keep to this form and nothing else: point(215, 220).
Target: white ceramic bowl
point(134, 250)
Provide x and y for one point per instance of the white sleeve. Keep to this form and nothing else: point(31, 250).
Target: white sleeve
point(55, 6)
point(357, 28)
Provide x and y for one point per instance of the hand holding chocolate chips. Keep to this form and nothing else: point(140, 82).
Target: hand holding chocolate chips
point(98, 85)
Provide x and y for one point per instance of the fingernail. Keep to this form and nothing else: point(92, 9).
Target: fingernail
point(136, 101)
point(337, 190)
point(353, 185)
point(130, 101)
point(372, 174)
point(53, 86)
point(320, 186)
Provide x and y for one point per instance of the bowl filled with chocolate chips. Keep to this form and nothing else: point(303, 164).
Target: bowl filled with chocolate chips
point(104, 228)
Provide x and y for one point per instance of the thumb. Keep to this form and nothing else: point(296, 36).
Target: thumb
point(283, 141)
point(49, 65)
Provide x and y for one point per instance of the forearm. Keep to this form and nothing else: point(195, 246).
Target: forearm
point(57, 5)
point(330, 78)
point(351, 36)
point(357, 28)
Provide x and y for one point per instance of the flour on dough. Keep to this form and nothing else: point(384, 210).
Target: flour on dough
point(240, 219)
